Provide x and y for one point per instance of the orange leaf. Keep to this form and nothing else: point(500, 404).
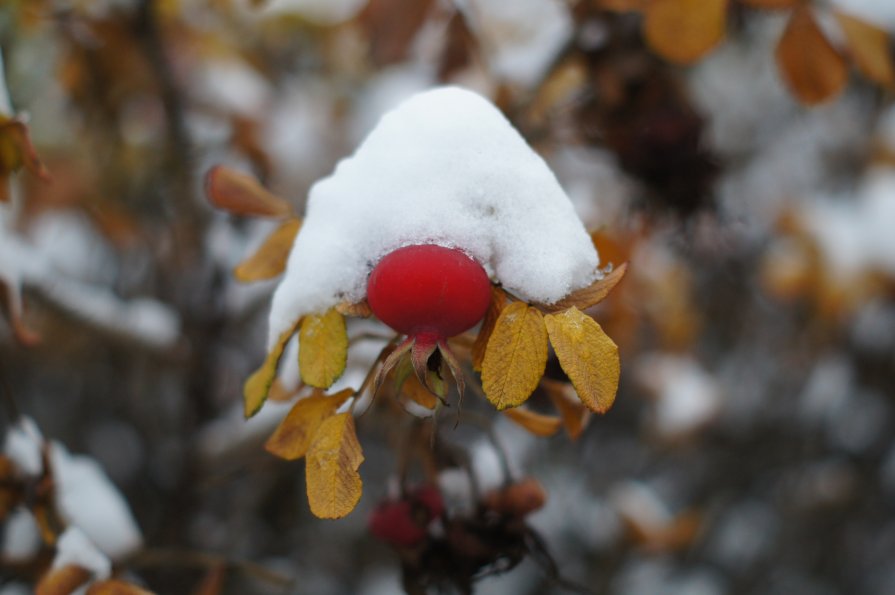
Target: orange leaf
point(770, 4)
point(16, 151)
point(334, 486)
point(812, 68)
point(358, 310)
point(591, 295)
point(257, 387)
point(870, 48)
point(322, 348)
point(242, 194)
point(293, 437)
point(62, 581)
point(515, 357)
point(116, 587)
point(683, 31)
point(575, 416)
point(498, 301)
point(270, 259)
point(414, 390)
point(536, 423)
point(587, 355)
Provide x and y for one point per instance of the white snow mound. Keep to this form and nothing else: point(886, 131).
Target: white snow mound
point(444, 167)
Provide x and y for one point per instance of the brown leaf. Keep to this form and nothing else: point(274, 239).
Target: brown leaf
point(213, 581)
point(536, 423)
point(257, 387)
point(334, 486)
point(322, 348)
point(293, 437)
point(575, 416)
point(62, 581)
point(518, 499)
point(498, 301)
point(515, 357)
point(11, 490)
point(242, 194)
point(770, 4)
point(270, 259)
point(870, 48)
point(116, 587)
point(811, 67)
point(591, 295)
point(683, 31)
point(16, 151)
point(587, 355)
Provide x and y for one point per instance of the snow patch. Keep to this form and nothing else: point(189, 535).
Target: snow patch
point(23, 446)
point(444, 167)
point(319, 12)
point(75, 548)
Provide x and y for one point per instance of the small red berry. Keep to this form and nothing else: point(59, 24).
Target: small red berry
point(429, 289)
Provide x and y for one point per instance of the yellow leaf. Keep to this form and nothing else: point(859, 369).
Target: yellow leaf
point(116, 587)
point(322, 348)
point(62, 581)
point(575, 416)
point(869, 46)
point(257, 387)
point(587, 355)
point(270, 259)
point(536, 423)
point(358, 310)
point(293, 437)
point(683, 31)
point(591, 295)
point(812, 68)
point(242, 194)
point(334, 485)
point(498, 301)
point(515, 357)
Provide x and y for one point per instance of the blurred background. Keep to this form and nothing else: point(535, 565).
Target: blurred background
point(739, 155)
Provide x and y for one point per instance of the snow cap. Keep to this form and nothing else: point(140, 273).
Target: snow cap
point(444, 167)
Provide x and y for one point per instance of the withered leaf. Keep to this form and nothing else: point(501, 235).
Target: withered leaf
point(293, 436)
point(322, 348)
point(811, 67)
point(270, 258)
point(870, 48)
point(242, 194)
point(334, 485)
point(414, 390)
point(587, 355)
point(517, 499)
point(591, 295)
point(515, 357)
point(62, 581)
point(683, 31)
point(116, 587)
point(536, 423)
point(575, 416)
point(498, 301)
point(257, 387)
point(16, 151)
point(770, 4)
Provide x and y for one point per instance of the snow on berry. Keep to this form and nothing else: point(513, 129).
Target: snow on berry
point(445, 167)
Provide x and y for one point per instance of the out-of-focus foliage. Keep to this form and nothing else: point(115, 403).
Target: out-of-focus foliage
point(738, 156)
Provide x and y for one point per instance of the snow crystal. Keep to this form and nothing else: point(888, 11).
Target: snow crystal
point(444, 167)
point(520, 38)
point(89, 501)
point(23, 445)
point(74, 547)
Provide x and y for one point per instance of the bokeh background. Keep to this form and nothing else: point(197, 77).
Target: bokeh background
point(749, 185)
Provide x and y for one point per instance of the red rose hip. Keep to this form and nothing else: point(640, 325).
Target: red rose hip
point(427, 288)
